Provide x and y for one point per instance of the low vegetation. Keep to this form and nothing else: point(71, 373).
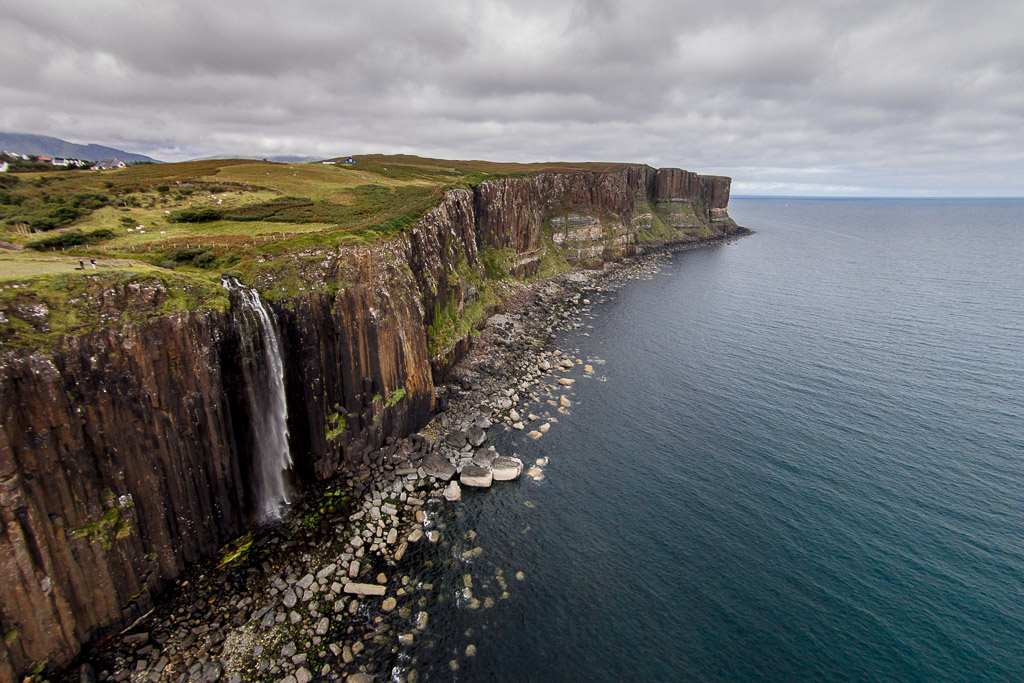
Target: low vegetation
point(452, 322)
point(36, 310)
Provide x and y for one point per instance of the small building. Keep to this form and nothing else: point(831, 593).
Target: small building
point(3, 167)
point(350, 160)
point(107, 164)
point(328, 163)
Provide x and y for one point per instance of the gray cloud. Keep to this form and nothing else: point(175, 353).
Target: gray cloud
point(789, 97)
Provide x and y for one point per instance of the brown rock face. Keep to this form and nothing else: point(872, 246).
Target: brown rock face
point(117, 468)
point(347, 355)
point(445, 236)
point(677, 184)
point(125, 454)
point(508, 214)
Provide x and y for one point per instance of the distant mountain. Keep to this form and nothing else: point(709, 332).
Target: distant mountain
point(42, 145)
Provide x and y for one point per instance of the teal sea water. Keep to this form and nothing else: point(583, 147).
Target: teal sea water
point(806, 463)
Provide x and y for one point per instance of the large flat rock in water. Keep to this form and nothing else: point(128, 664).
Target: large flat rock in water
point(485, 458)
point(365, 589)
point(438, 466)
point(506, 469)
point(474, 475)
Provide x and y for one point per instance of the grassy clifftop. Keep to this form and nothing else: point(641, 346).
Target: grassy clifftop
point(179, 226)
point(176, 227)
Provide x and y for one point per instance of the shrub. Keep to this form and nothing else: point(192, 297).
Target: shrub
point(205, 260)
point(185, 254)
point(90, 201)
point(194, 216)
point(163, 189)
point(42, 224)
point(10, 198)
point(74, 238)
point(200, 257)
point(65, 214)
point(281, 209)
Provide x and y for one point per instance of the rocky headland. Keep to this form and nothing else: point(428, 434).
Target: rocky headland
point(126, 454)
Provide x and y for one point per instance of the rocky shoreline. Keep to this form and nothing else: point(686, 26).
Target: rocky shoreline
point(329, 594)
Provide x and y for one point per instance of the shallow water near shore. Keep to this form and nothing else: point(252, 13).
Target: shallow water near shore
point(805, 463)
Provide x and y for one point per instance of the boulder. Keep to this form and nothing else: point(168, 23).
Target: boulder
point(437, 466)
point(474, 475)
point(485, 458)
point(452, 492)
point(566, 382)
point(476, 436)
point(457, 438)
point(506, 469)
point(365, 589)
point(535, 473)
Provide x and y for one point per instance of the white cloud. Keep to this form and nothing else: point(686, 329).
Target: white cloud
point(871, 97)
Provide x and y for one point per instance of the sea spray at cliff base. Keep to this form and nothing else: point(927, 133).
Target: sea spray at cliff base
point(263, 368)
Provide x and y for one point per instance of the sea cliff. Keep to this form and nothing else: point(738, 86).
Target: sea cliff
point(125, 453)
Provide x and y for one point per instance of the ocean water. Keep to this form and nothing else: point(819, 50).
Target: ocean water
point(806, 462)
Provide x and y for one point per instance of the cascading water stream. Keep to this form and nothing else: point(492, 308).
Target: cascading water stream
point(263, 369)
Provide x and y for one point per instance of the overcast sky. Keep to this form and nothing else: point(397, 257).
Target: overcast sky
point(818, 97)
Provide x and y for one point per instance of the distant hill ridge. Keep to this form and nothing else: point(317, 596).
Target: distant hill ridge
point(43, 145)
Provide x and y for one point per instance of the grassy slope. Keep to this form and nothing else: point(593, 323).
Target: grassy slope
point(278, 209)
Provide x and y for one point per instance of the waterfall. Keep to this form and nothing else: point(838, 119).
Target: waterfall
point(263, 369)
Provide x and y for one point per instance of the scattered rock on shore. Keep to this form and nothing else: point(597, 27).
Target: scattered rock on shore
point(474, 475)
point(452, 492)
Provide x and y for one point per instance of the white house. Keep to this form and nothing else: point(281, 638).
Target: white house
point(3, 167)
point(105, 164)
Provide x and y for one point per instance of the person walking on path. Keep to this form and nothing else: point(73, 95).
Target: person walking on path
point(93, 261)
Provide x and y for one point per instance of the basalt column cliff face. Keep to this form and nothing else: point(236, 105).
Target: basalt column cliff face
point(593, 216)
point(125, 454)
